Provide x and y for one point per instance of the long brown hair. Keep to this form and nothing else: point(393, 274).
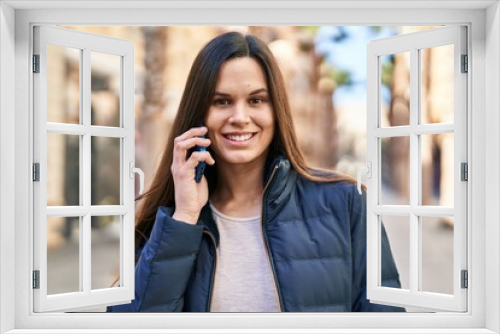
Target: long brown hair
point(195, 102)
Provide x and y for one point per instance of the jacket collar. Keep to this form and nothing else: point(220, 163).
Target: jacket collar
point(278, 182)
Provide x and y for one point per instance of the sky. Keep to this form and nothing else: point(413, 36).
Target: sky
point(349, 54)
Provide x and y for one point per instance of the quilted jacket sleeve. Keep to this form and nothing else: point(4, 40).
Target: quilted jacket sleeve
point(390, 276)
point(164, 266)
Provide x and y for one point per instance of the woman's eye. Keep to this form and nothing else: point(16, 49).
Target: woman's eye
point(256, 100)
point(221, 102)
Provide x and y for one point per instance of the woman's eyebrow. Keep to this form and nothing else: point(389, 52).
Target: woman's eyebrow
point(221, 94)
point(257, 91)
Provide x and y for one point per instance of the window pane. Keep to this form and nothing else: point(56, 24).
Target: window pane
point(395, 89)
point(437, 84)
point(437, 254)
point(63, 170)
point(105, 87)
point(105, 251)
point(105, 171)
point(395, 168)
point(437, 154)
point(63, 84)
point(398, 232)
point(63, 255)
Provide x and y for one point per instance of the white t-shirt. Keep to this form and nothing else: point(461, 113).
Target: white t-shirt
point(243, 277)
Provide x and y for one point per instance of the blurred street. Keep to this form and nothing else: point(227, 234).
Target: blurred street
point(326, 81)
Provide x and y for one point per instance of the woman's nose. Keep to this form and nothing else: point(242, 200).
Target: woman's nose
point(240, 113)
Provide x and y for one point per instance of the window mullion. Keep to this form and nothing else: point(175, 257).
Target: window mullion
point(85, 253)
point(82, 193)
point(79, 130)
point(86, 164)
point(128, 192)
point(414, 172)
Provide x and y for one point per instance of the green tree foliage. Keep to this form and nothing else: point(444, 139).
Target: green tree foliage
point(387, 69)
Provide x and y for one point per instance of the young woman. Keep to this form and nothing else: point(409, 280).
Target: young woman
point(261, 232)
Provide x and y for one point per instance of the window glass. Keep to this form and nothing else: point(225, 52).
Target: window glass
point(437, 254)
point(105, 171)
point(105, 96)
point(63, 169)
point(437, 84)
point(395, 167)
point(105, 250)
point(398, 231)
point(63, 84)
point(437, 167)
point(395, 89)
point(63, 246)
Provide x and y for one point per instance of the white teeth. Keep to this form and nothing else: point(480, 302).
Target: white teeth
point(240, 138)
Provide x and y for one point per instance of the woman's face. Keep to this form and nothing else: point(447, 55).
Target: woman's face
point(240, 119)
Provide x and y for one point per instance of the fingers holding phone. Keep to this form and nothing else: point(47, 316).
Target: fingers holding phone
point(189, 159)
point(200, 167)
point(188, 141)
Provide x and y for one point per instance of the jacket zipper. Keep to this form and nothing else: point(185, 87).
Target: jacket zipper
point(266, 243)
point(212, 279)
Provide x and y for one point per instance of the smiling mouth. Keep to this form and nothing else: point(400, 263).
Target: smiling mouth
point(240, 138)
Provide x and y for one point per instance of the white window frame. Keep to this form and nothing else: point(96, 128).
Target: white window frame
point(86, 44)
point(413, 295)
point(483, 21)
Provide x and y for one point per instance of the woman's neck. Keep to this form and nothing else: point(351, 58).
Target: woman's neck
point(239, 189)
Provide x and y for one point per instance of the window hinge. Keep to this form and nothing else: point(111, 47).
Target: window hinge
point(464, 171)
point(465, 64)
point(36, 63)
point(465, 279)
point(36, 172)
point(36, 279)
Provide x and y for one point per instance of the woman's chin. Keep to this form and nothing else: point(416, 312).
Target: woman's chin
point(235, 158)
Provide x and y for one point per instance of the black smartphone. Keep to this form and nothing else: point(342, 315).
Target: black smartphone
point(200, 168)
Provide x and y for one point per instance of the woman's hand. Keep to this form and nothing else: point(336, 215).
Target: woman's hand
point(190, 196)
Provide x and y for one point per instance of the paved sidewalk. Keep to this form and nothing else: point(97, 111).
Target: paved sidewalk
point(437, 249)
point(63, 262)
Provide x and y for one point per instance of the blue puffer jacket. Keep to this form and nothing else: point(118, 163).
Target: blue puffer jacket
point(316, 240)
